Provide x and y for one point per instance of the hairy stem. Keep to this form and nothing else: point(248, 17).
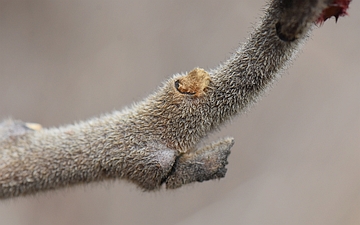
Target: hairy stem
point(156, 141)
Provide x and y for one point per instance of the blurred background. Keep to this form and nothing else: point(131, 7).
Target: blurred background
point(296, 159)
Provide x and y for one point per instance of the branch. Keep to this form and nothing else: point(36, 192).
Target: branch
point(156, 141)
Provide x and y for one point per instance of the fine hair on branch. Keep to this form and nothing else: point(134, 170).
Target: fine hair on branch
point(156, 141)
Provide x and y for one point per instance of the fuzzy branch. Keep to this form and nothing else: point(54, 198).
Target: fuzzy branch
point(156, 141)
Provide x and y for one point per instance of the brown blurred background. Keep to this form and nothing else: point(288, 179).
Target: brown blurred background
point(297, 154)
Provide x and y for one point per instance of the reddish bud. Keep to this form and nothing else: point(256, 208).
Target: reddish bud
point(337, 8)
